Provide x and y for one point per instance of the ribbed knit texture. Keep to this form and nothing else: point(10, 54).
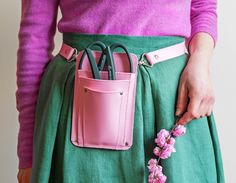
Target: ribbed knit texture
point(138, 17)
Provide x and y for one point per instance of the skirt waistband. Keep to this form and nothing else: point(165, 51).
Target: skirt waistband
point(135, 44)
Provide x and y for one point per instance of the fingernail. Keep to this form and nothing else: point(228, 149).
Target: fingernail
point(177, 112)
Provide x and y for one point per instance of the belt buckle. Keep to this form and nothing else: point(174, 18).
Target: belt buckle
point(73, 56)
point(142, 61)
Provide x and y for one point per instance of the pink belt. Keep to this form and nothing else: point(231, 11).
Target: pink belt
point(153, 57)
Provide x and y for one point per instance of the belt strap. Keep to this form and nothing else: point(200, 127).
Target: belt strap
point(163, 54)
point(153, 57)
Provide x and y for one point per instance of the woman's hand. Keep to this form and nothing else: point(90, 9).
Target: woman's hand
point(23, 175)
point(195, 92)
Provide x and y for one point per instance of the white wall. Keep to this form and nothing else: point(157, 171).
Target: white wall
point(224, 77)
point(223, 73)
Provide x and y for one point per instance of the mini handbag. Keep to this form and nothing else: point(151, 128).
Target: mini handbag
point(104, 97)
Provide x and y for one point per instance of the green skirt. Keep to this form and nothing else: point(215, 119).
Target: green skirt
point(56, 160)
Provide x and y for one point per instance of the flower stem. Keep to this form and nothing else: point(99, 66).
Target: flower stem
point(167, 139)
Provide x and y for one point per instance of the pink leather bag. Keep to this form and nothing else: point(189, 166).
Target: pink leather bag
point(103, 110)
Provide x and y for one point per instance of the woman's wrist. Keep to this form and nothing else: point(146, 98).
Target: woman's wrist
point(200, 49)
point(199, 59)
point(201, 44)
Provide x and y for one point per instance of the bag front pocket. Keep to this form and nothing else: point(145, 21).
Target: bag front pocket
point(101, 116)
point(102, 113)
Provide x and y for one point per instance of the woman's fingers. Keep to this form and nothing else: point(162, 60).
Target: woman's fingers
point(193, 111)
point(19, 176)
point(27, 178)
point(210, 110)
point(182, 99)
point(205, 107)
point(23, 175)
point(200, 105)
point(208, 104)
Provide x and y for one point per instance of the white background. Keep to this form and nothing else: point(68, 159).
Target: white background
point(223, 74)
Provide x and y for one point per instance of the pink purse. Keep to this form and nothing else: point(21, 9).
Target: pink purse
point(104, 100)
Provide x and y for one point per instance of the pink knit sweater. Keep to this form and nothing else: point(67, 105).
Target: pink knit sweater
point(129, 17)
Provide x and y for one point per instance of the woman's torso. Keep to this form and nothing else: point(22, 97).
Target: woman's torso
point(141, 17)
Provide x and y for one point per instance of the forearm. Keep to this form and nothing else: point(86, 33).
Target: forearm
point(36, 42)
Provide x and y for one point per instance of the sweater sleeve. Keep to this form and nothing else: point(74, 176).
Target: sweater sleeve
point(203, 17)
point(36, 43)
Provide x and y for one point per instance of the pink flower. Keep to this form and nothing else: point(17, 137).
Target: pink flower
point(151, 177)
point(179, 130)
point(161, 137)
point(153, 166)
point(152, 162)
point(165, 146)
point(161, 179)
point(156, 178)
point(165, 152)
point(157, 151)
point(171, 141)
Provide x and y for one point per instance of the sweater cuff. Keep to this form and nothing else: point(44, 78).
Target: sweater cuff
point(25, 147)
point(212, 33)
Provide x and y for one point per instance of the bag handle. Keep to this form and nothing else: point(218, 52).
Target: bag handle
point(92, 61)
point(107, 51)
point(110, 59)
